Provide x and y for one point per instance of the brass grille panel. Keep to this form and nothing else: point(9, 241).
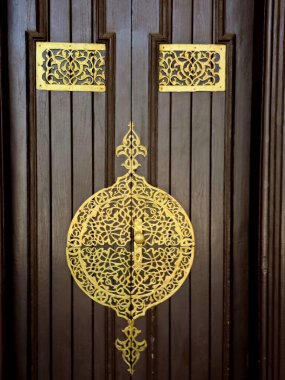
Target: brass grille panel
point(190, 68)
point(71, 66)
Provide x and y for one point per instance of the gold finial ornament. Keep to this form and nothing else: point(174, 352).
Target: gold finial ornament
point(130, 246)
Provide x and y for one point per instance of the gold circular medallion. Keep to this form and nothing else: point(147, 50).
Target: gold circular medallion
point(130, 246)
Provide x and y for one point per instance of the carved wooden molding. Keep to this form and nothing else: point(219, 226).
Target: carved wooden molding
point(163, 36)
point(31, 39)
point(271, 236)
point(5, 270)
point(222, 37)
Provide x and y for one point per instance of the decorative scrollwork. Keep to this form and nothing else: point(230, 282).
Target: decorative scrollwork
point(131, 148)
point(130, 347)
point(192, 68)
point(130, 246)
point(73, 66)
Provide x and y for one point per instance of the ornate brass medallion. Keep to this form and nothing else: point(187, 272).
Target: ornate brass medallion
point(130, 247)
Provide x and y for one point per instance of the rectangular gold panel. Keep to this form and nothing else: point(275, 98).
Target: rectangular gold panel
point(191, 67)
point(65, 66)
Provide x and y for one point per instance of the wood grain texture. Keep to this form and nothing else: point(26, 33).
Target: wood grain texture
point(32, 38)
point(163, 36)
point(40, 191)
point(103, 135)
point(5, 268)
point(180, 166)
point(272, 205)
point(22, 17)
point(62, 160)
point(223, 36)
point(110, 106)
point(82, 150)
point(200, 205)
point(202, 331)
point(36, 355)
point(157, 366)
point(118, 21)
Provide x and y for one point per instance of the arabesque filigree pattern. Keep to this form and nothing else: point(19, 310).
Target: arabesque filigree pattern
point(67, 67)
point(191, 69)
point(130, 246)
point(130, 347)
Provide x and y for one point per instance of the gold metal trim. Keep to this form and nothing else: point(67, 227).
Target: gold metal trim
point(130, 246)
point(192, 67)
point(63, 66)
point(130, 347)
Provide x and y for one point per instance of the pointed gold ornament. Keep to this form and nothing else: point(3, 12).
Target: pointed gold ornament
point(130, 247)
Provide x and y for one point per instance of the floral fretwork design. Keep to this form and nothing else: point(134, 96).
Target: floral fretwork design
point(130, 347)
point(62, 66)
point(192, 68)
point(130, 246)
point(131, 148)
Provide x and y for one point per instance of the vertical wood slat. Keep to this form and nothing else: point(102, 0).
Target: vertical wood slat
point(5, 264)
point(158, 319)
point(81, 114)
point(271, 212)
point(275, 191)
point(38, 186)
point(180, 171)
point(217, 323)
point(44, 237)
point(100, 133)
point(109, 38)
point(272, 260)
point(163, 36)
point(18, 152)
point(61, 189)
point(218, 217)
point(222, 35)
point(18, 208)
point(236, 190)
point(163, 182)
point(100, 339)
point(200, 205)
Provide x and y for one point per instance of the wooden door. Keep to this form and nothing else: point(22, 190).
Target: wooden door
point(62, 150)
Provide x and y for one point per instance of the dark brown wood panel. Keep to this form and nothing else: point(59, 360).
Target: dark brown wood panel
point(216, 322)
point(160, 163)
point(271, 332)
point(101, 124)
point(145, 20)
point(19, 20)
point(82, 185)
point(200, 205)
point(240, 189)
point(67, 141)
point(43, 327)
point(163, 177)
point(61, 208)
point(4, 195)
point(180, 187)
point(119, 22)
